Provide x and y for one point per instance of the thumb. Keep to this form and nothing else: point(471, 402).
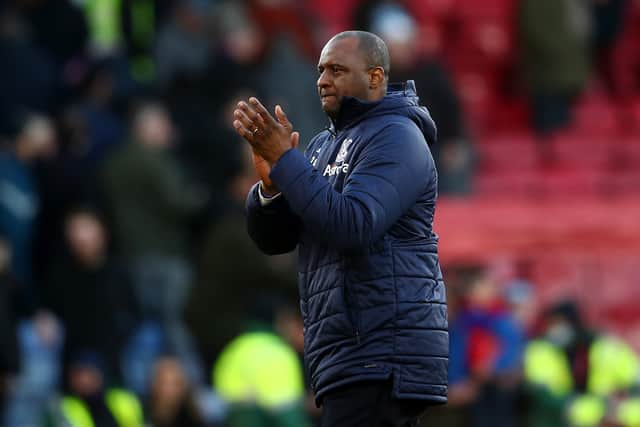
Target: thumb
point(282, 118)
point(295, 139)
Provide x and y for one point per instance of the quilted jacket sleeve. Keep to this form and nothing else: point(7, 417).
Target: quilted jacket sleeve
point(386, 179)
point(274, 228)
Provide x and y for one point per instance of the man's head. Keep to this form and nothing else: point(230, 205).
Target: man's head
point(152, 125)
point(563, 323)
point(32, 136)
point(86, 236)
point(352, 63)
point(85, 373)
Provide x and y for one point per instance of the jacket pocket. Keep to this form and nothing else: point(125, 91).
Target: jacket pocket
point(350, 309)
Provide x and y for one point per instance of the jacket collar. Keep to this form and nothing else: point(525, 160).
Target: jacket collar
point(353, 109)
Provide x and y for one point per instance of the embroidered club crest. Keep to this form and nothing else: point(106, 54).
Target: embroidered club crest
point(342, 154)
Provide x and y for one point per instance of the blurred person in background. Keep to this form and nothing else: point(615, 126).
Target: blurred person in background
point(226, 252)
point(486, 354)
point(31, 138)
point(30, 82)
point(197, 92)
point(259, 374)
point(261, 41)
point(90, 293)
point(360, 209)
point(45, 19)
point(555, 36)
point(89, 402)
point(576, 376)
point(151, 206)
point(608, 26)
point(172, 402)
point(289, 50)
point(452, 152)
point(184, 46)
point(89, 128)
point(40, 346)
point(125, 32)
point(9, 356)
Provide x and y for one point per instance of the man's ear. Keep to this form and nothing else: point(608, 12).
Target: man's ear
point(376, 78)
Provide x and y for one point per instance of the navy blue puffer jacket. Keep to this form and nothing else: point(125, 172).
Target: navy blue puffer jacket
point(359, 205)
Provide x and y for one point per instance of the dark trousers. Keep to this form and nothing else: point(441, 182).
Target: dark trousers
point(369, 404)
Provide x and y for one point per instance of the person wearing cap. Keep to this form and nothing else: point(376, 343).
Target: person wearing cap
point(359, 206)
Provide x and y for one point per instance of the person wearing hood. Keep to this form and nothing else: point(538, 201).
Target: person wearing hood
point(359, 206)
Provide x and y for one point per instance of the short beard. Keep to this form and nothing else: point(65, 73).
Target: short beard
point(333, 115)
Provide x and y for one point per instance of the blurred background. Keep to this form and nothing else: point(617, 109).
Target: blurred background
point(131, 295)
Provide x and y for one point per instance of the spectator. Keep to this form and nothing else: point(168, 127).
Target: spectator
point(609, 25)
point(89, 402)
point(152, 207)
point(31, 138)
point(90, 293)
point(183, 47)
point(572, 373)
point(171, 402)
point(452, 152)
point(486, 350)
point(30, 81)
point(46, 18)
point(555, 53)
point(89, 130)
point(40, 342)
point(216, 300)
point(259, 374)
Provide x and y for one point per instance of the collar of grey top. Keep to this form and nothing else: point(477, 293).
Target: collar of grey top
point(401, 98)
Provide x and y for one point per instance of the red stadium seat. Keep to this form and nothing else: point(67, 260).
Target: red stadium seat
point(575, 182)
point(514, 184)
point(509, 152)
point(596, 115)
point(576, 151)
point(431, 11)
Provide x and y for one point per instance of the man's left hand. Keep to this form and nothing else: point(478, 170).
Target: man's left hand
point(269, 138)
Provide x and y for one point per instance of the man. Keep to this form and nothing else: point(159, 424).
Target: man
point(153, 207)
point(89, 402)
point(360, 208)
point(259, 374)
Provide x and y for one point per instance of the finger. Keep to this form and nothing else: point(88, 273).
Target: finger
point(282, 118)
point(259, 108)
point(250, 112)
point(244, 119)
point(295, 139)
point(242, 130)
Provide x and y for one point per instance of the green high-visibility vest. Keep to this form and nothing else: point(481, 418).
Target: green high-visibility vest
point(628, 413)
point(123, 405)
point(613, 366)
point(259, 368)
point(104, 19)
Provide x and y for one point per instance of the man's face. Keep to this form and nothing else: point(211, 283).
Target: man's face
point(343, 72)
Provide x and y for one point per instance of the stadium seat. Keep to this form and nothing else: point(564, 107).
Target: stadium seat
point(578, 151)
point(508, 152)
point(596, 115)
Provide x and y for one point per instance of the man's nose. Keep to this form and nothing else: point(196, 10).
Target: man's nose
point(322, 80)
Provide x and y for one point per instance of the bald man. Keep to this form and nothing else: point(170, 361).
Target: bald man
point(359, 206)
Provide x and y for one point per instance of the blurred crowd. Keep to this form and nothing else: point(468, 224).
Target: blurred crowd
point(130, 293)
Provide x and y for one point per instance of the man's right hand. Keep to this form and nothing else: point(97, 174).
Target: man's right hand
point(263, 169)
